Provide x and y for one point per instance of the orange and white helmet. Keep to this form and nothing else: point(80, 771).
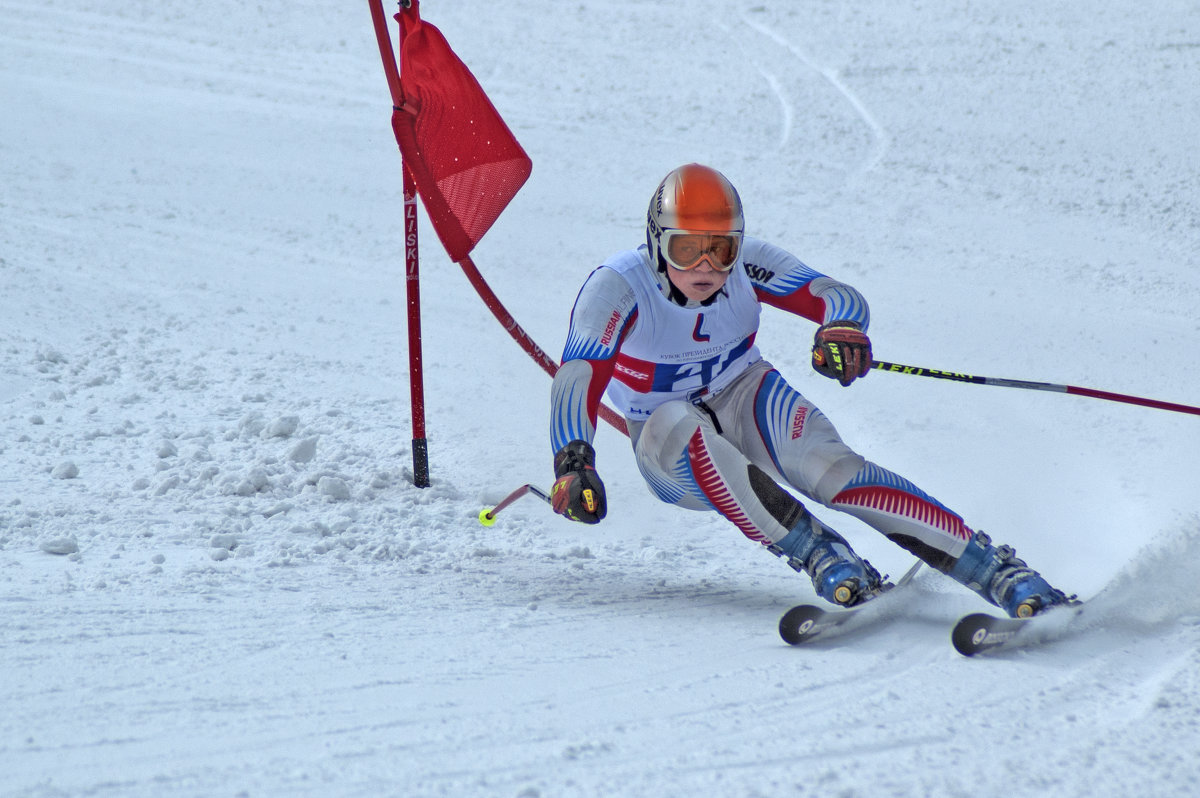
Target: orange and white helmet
point(695, 217)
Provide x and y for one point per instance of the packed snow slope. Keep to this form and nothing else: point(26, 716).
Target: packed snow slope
point(216, 576)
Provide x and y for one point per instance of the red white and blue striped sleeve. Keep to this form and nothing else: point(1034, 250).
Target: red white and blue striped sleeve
point(783, 281)
point(604, 311)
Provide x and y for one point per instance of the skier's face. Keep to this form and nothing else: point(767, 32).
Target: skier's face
point(698, 284)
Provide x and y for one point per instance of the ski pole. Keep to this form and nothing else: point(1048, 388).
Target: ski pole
point(1034, 386)
point(488, 517)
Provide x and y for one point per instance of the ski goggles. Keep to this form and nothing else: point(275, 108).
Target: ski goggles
point(685, 250)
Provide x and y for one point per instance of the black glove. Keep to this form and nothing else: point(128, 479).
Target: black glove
point(842, 351)
point(578, 492)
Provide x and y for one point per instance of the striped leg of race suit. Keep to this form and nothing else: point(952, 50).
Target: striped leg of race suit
point(807, 452)
point(686, 462)
point(729, 454)
point(906, 515)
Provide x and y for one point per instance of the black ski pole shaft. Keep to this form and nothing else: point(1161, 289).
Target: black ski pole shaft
point(919, 371)
point(488, 517)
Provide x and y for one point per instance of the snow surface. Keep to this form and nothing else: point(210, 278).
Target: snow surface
point(217, 578)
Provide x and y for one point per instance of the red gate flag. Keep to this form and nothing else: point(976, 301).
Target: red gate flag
point(466, 162)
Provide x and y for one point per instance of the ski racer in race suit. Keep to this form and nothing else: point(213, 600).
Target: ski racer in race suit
point(669, 330)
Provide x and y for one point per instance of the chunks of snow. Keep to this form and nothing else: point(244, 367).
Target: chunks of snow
point(333, 487)
point(223, 541)
point(304, 451)
point(65, 470)
point(62, 545)
point(282, 427)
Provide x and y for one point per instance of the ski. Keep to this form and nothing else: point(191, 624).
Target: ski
point(806, 621)
point(980, 632)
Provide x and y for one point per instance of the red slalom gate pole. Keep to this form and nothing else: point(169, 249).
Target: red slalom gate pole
point(414, 174)
point(416, 371)
point(416, 374)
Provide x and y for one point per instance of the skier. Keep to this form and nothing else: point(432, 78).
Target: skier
point(669, 330)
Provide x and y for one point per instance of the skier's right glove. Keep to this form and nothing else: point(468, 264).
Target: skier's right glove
point(578, 492)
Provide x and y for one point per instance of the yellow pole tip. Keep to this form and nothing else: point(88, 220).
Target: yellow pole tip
point(486, 518)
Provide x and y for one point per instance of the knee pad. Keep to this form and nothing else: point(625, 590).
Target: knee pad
point(837, 472)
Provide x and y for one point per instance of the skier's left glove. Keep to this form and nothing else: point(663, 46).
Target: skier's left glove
point(578, 492)
point(842, 351)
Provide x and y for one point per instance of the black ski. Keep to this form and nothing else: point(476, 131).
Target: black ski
point(980, 632)
point(805, 621)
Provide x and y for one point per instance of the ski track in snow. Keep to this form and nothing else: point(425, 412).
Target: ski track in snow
point(216, 577)
point(879, 136)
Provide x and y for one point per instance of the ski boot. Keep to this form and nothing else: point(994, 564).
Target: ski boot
point(1003, 579)
point(838, 574)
